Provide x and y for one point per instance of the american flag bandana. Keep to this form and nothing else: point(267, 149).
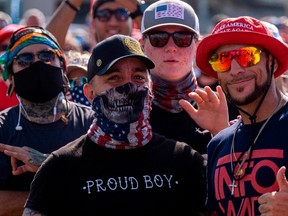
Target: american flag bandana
point(129, 130)
point(167, 94)
point(76, 94)
point(169, 10)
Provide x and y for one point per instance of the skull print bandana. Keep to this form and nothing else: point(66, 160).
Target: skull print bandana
point(121, 117)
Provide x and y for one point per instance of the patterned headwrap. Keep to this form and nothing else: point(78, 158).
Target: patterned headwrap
point(24, 37)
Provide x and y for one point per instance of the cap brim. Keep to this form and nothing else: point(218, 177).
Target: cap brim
point(71, 68)
point(207, 45)
point(169, 24)
point(144, 59)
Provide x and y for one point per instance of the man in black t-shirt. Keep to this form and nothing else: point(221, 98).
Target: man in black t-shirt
point(43, 121)
point(120, 166)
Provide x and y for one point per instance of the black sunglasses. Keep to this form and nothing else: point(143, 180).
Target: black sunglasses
point(105, 15)
point(161, 38)
point(27, 58)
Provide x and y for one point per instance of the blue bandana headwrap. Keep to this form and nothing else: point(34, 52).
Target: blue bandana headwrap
point(24, 37)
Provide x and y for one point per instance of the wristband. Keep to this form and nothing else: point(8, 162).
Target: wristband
point(73, 7)
point(136, 13)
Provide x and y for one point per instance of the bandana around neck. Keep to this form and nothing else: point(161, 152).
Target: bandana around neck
point(167, 94)
point(121, 117)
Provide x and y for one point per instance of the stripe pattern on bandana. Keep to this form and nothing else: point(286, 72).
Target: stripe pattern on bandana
point(167, 94)
point(128, 130)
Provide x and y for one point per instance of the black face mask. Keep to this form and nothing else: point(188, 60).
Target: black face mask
point(39, 83)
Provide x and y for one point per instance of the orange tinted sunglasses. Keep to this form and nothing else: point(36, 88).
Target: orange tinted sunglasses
point(246, 57)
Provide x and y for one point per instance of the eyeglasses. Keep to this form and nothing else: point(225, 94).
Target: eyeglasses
point(78, 81)
point(105, 15)
point(161, 38)
point(246, 57)
point(27, 58)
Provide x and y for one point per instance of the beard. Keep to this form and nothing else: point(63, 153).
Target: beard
point(259, 91)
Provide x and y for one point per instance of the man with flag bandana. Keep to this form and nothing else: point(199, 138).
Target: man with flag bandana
point(120, 166)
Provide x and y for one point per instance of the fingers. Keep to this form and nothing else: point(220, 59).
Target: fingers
point(266, 203)
point(221, 94)
point(17, 155)
point(188, 107)
point(281, 179)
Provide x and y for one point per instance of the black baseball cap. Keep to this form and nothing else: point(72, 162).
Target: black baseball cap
point(109, 51)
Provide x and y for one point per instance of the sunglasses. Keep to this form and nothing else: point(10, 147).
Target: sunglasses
point(27, 58)
point(79, 81)
point(246, 57)
point(161, 38)
point(105, 15)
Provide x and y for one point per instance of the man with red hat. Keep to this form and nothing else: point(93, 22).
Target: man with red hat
point(243, 159)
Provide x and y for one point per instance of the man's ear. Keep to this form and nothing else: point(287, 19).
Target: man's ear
point(89, 92)
point(276, 65)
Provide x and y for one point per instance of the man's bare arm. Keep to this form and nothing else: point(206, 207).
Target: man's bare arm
point(61, 19)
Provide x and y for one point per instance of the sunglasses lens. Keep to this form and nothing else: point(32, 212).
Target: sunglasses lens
point(104, 15)
point(46, 56)
point(183, 39)
point(158, 39)
point(25, 59)
point(121, 14)
point(220, 62)
point(246, 57)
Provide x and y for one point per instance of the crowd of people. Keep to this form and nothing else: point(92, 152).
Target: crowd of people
point(142, 113)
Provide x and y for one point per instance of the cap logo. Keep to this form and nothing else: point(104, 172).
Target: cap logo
point(98, 62)
point(169, 10)
point(234, 27)
point(133, 46)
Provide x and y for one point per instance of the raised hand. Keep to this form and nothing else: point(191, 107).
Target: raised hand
point(212, 111)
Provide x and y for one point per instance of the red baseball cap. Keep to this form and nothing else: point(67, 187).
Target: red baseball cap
point(241, 30)
point(7, 31)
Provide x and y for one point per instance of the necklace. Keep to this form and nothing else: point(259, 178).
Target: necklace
point(246, 155)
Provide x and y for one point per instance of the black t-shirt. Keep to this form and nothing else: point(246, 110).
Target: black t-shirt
point(42, 137)
point(82, 178)
point(181, 127)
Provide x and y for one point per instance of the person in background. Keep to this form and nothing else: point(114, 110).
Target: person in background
point(44, 120)
point(170, 31)
point(120, 166)
point(77, 76)
point(5, 19)
point(281, 81)
point(33, 17)
point(5, 34)
point(243, 159)
point(108, 17)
